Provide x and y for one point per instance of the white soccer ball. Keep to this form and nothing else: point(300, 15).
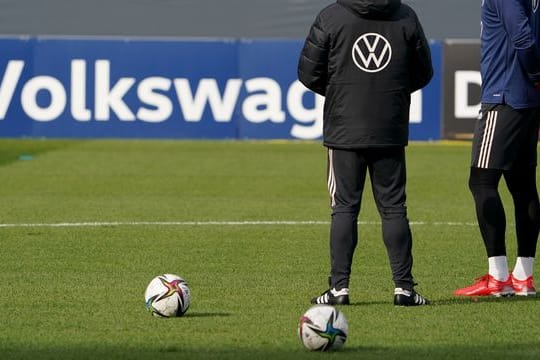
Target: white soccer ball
point(323, 328)
point(167, 295)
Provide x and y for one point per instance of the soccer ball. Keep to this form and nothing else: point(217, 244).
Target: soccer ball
point(323, 328)
point(167, 295)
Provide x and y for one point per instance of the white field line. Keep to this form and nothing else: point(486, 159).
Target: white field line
point(213, 223)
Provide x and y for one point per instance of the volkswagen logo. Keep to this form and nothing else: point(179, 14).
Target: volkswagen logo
point(372, 52)
point(535, 5)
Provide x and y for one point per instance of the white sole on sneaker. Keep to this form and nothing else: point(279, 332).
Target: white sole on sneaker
point(525, 293)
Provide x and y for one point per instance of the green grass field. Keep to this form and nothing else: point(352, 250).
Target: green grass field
point(85, 225)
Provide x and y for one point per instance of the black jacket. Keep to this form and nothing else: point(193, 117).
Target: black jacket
point(366, 57)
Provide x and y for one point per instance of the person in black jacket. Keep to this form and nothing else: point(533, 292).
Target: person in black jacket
point(367, 57)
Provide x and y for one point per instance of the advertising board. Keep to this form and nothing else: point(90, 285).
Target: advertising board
point(170, 88)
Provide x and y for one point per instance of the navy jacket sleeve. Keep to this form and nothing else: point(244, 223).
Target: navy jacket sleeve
point(422, 67)
point(516, 23)
point(313, 63)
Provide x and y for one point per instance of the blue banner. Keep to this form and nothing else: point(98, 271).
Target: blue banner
point(168, 88)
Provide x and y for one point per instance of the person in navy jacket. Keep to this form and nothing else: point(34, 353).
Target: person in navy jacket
point(505, 143)
point(366, 57)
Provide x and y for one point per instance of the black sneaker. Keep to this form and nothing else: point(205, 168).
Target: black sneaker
point(404, 297)
point(333, 297)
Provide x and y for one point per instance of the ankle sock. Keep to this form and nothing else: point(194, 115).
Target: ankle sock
point(524, 268)
point(498, 267)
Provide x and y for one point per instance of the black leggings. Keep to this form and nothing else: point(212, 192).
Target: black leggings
point(521, 183)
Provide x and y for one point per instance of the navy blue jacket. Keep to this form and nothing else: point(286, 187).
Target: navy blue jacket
point(510, 62)
point(366, 57)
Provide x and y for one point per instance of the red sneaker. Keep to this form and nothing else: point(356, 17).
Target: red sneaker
point(523, 287)
point(487, 285)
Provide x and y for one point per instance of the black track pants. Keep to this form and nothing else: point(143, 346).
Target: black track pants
point(347, 171)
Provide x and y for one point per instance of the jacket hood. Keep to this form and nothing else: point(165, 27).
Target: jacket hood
point(372, 8)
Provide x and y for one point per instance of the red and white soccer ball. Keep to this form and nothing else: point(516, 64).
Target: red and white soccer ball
point(167, 295)
point(323, 328)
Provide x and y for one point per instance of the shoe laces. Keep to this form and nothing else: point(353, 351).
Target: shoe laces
point(482, 278)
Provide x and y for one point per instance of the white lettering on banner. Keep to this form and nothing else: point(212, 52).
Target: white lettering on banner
point(78, 91)
point(415, 112)
point(314, 116)
point(29, 98)
point(9, 83)
point(207, 92)
point(108, 98)
point(265, 106)
point(462, 108)
point(162, 105)
point(262, 103)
